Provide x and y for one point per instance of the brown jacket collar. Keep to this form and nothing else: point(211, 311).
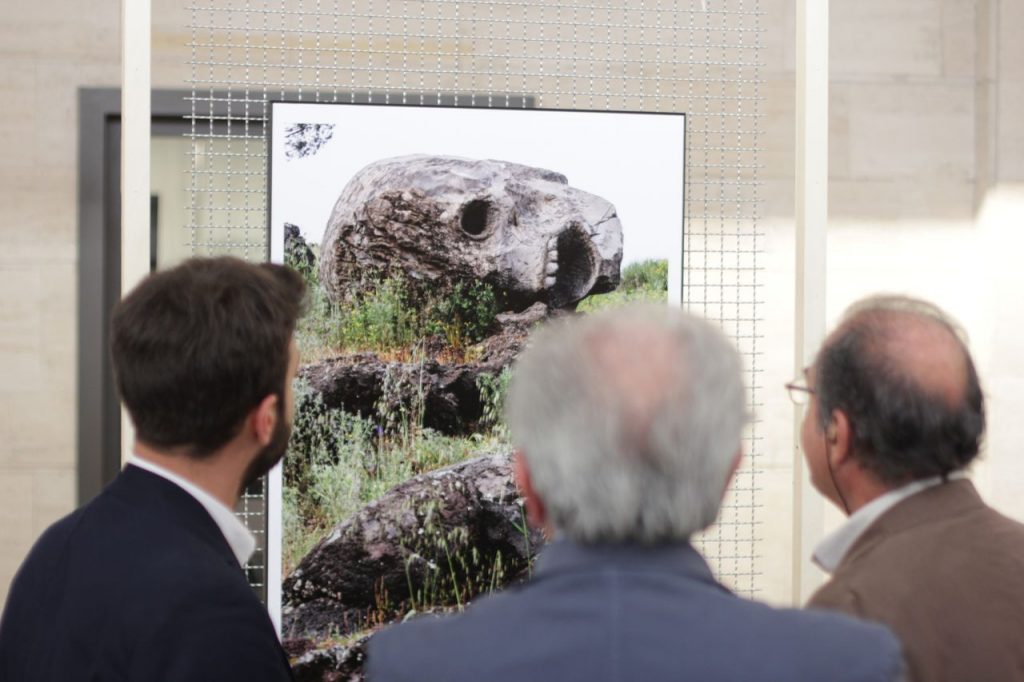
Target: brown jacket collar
point(946, 500)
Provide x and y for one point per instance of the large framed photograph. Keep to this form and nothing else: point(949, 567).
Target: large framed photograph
point(433, 240)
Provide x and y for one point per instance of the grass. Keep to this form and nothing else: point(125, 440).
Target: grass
point(390, 319)
point(642, 282)
point(339, 462)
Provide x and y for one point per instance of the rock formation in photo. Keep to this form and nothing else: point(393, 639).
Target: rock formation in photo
point(428, 539)
point(437, 220)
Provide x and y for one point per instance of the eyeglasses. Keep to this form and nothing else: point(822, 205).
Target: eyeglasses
point(799, 392)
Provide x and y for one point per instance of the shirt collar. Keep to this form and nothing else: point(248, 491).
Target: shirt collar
point(238, 536)
point(830, 551)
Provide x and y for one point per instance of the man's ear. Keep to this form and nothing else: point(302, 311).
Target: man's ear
point(264, 419)
point(536, 513)
point(838, 438)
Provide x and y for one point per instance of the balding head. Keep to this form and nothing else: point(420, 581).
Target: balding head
point(899, 369)
point(630, 422)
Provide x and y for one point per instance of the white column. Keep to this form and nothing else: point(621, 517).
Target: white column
point(811, 213)
point(135, 134)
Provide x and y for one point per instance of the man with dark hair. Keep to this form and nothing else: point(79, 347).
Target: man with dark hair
point(145, 582)
point(896, 414)
point(630, 424)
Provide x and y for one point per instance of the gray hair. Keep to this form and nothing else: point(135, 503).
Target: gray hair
point(630, 421)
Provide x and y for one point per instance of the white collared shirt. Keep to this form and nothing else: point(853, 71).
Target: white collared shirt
point(830, 551)
point(240, 538)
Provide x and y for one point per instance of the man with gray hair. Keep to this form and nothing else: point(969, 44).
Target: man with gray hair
point(895, 415)
point(629, 426)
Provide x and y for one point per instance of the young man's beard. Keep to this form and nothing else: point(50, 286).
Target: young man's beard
point(270, 455)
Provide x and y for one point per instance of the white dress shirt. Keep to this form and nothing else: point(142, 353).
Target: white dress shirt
point(830, 551)
point(239, 538)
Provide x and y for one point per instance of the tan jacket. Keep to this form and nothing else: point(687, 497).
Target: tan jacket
point(946, 573)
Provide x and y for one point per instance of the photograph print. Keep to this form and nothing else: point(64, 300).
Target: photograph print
point(433, 239)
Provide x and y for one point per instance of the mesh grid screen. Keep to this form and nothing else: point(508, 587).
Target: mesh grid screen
point(701, 57)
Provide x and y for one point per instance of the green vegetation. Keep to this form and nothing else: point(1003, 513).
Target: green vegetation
point(461, 573)
point(338, 463)
point(644, 281)
point(464, 315)
point(389, 319)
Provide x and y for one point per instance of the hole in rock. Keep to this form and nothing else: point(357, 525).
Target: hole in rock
point(576, 269)
point(475, 217)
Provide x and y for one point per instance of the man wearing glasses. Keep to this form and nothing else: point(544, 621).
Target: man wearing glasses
point(895, 414)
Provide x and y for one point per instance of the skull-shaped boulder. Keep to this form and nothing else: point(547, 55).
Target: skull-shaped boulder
point(439, 219)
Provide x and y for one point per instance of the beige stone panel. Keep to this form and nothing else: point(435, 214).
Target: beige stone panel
point(59, 317)
point(779, 40)
point(1010, 14)
point(53, 496)
point(904, 199)
point(910, 131)
point(839, 140)
point(775, 534)
point(778, 124)
point(17, 91)
point(57, 105)
point(897, 145)
point(775, 413)
point(776, 195)
point(20, 317)
point(38, 224)
point(40, 429)
point(1007, 323)
point(1010, 131)
point(1000, 473)
point(65, 29)
point(938, 261)
point(959, 38)
point(881, 38)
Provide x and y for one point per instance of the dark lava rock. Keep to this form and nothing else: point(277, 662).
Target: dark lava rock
point(437, 539)
point(450, 393)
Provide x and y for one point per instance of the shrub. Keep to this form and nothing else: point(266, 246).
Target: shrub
point(644, 281)
point(379, 319)
point(463, 315)
point(387, 316)
point(646, 274)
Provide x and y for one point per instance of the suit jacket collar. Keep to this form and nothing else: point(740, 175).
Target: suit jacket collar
point(150, 493)
point(948, 500)
point(565, 556)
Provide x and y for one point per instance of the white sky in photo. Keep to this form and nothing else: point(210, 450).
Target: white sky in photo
point(635, 161)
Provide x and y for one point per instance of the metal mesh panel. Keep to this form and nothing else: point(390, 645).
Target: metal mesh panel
point(701, 57)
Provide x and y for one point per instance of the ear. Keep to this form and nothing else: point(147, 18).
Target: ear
point(838, 438)
point(536, 513)
point(264, 418)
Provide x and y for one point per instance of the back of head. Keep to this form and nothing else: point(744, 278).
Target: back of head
point(900, 370)
point(196, 347)
point(630, 422)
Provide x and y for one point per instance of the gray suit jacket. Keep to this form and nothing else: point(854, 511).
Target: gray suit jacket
point(624, 613)
point(946, 573)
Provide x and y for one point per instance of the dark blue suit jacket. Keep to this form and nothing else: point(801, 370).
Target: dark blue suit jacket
point(138, 585)
point(627, 614)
